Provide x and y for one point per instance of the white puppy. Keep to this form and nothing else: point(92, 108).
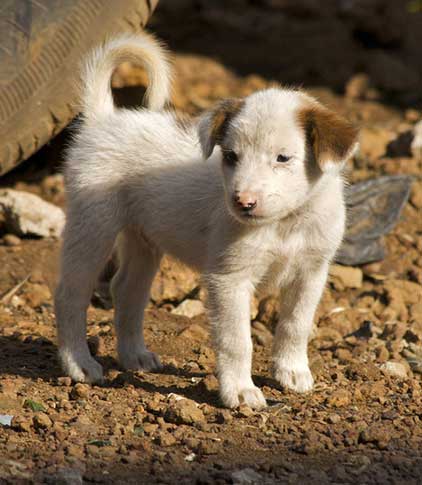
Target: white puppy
point(251, 195)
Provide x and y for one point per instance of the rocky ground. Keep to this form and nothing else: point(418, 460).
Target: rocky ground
point(361, 424)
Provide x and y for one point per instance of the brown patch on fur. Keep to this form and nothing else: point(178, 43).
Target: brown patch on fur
point(331, 137)
point(223, 114)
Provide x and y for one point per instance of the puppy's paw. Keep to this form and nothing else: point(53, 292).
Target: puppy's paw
point(297, 378)
point(140, 360)
point(251, 396)
point(81, 367)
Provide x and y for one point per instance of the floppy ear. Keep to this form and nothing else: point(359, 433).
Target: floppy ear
point(332, 138)
point(213, 125)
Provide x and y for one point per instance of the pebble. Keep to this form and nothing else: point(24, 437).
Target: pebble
point(64, 381)
point(245, 411)
point(194, 332)
point(165, 439)
point(395, 369)
point(79, 391)
point(184, 411)
point(189, 308)
point(11, 240)
point(261, 333)
point(22, 423)
point(346, 276)
point(334, 418)
point(339, 398)
point(42, 421)
point(223, 416)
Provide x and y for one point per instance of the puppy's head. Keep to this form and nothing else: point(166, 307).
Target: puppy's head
point(274, 146)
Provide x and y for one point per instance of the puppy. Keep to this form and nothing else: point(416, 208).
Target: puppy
point(251, 194)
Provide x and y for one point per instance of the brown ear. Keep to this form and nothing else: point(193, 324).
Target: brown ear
point(332, 138)
point(214, 124)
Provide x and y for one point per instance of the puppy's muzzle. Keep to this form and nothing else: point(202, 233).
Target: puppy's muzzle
point(245, 201)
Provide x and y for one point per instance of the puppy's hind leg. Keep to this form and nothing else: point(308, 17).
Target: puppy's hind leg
point(138, 263)
point(87, 241)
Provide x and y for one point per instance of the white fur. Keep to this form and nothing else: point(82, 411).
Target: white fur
point(140, 178)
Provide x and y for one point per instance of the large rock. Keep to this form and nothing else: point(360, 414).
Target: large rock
point(174, 282)
point(26, 214)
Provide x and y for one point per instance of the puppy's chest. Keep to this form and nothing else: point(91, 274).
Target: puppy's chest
point(274, 255)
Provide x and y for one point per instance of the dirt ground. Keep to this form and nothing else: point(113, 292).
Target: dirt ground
point(362, 422)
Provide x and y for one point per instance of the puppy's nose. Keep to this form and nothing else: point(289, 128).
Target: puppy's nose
point(246, 200)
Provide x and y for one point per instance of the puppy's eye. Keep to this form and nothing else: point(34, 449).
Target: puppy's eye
point(230, 157)
point(283, 158)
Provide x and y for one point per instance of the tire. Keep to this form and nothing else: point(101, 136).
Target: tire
point(42, 43)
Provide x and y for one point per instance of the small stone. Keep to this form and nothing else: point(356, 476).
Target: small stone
point(36, 294)
point(334, 418)
point(22, 423)
point(245, 411)
point(166, 439)
point(184, 411)
point(268, 310)
point(42, 421)
point(64, 381)
point(189, 308)
point(79, 391)
point(375, 434)
point(209, 447)
point(11, 240)
point(191, 443)
point(261, 334)
point(173, 282)
point(382, 353)
point(344, 355)
point(339, 398)
point(395, 369)
point(6, 420)
point(365, 370)
point(210, 383)
point(194, 332)
point(346, 276)
point(223, 416)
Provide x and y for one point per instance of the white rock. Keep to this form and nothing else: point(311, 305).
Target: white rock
point(416, 146)
point(394, 369)
point(28, 215)
point(189, 308)
point(6, 419)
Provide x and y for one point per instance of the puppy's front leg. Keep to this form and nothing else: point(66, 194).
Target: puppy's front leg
point(229, 310)
point(298, 304)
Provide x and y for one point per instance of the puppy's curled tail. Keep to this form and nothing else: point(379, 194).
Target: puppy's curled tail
point(141, 49)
